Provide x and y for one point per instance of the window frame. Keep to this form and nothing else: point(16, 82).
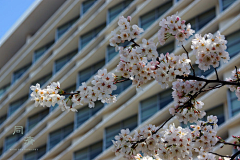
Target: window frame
point(46, 47)
point(25, 68)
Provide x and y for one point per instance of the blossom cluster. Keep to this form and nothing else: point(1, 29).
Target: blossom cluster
point(209, 50)
point(174, 26)
point(237, 142)
point(205, 133)
point(103, 85)
point(186, 107)
point(127, 32)
point(235, 77)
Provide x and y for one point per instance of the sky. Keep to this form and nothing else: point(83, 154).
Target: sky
point(10, 12)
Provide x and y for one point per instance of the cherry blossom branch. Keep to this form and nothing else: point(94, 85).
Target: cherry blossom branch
point(190, 77)
point(237, 74)
point(216, 73)
point(227, 143)
point(189, 62)
point(219, 155)
point(134, 43)
point(235, 155)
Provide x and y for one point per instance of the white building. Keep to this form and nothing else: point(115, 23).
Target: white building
point(68, 41)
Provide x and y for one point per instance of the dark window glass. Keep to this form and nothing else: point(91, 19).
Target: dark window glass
point(35, 155)
point(85, 113)
point(1, 151)
point(111, 53)
point(89, 152)
point(147, 19)
point(59, 63)
point(39, 52)
point(33, 120)
point(216, 111)
point(3, 118)
point(151, 105)
point(202, 19)
point(62, 29)
point(16, 105)
point(87, 73)
point(87, 37)
point(17, 74)
point(166, 48)
point(4, 89)
point(121, 87)
point(86, 5)
point(233, 42)
point(112, 131)
point(235, 104)
point(57, 136)
point(114, 11)
point(226, 3)
point(11, 140)
point(200, 72)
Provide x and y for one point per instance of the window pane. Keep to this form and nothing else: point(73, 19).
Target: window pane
point(165, 98)
point(62, 29)
point(33, 120)
point(3, 118)
point(111, 53)
point(30, 155)
point(54, 138)
point(98, 66)
point(95, 149)
point(114, 11)
point(110, 133)
point(130, 123)
point(59, 63)
point(84, 75)
point(4, 89)
point(82, 154)
point(226, 3)
point(216, 111)
point(67, 130)
point(163, 8)
point(235, 104)
point(206, 17)
point(98, 106)
point(148, 107)
point(82, 115)
point(166, 48)
point(41, 151)
point(17, 74)
point(15, 105)
point(87, 4)
point(147, 19)
point(232, 45)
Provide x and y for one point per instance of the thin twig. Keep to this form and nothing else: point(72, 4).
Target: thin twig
point(216, 73)
point(134, 43)
point(237, 74)
point(220, 155)
point(189, 62)
point(227, 143)
point(235, 155)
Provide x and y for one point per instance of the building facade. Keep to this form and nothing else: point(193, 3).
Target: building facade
point(68, 41)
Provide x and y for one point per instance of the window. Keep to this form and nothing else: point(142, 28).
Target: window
point(58, 135)
point(59, 63)
point(1, 151)
point(35, 155)
point(17, 74)
point(169, 47)
point(39, 52)
point(202, 19)
point(111, 53)
point(63, 28)
point(87, 73)
point(4, 89)
point(233, 42)
point(15, 105)
point(40, 81)
point(225, 3)
point(86, 5)
point(151, 105)
point(216, 111)
point(147, 19)
point(32, 121)
point(11, 140)
point(86, 38)
point(85, 113)
point(89, 152)
point(3, 118)
point(234, 107)
point(113, 130)
point(114, 11)
point(121, 87)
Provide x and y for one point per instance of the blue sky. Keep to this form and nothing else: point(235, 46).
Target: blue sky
point(10, 12)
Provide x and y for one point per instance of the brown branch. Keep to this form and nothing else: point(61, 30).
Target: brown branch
point(235, 155)
point(216, 73)
point(134, 43)
point(219, 155)
point(227, 143)
point(189, 62)
point(237, 74)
